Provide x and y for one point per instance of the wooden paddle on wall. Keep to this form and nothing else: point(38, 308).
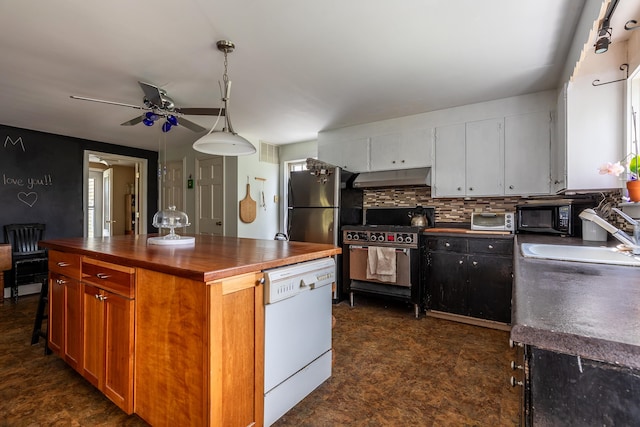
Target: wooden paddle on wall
point(248, 207)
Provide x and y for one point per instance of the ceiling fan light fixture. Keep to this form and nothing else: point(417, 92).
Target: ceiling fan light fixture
point(225, 142)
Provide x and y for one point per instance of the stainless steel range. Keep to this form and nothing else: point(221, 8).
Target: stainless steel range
point(381, 257)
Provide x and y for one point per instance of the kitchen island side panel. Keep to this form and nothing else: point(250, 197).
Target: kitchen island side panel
point(171, 361)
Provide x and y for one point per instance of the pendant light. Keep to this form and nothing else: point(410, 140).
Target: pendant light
point(225, 142)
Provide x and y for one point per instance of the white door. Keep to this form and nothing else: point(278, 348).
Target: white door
point(107, 202)
point(210, 196)
point(172, 185)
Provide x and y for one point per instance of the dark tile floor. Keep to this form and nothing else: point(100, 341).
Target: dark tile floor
point(390, 370)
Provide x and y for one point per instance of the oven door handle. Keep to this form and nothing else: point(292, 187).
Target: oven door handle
point(403, 250)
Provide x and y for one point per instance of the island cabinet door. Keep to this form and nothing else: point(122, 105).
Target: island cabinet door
point(108, 344)
point(93, 336)
point(65, 328)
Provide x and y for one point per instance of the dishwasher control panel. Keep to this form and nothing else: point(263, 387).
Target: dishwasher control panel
point(285, 282)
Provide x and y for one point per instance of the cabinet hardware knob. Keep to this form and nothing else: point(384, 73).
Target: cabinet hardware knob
point(393, 161)
point(61, 281)
point(447, 244)
point(402, 161)
point(511, 187)
point(261, 281)
point(63, 264)
point(460, 262)
point(97, 296)
point(470, 188)
point(475, 263)
point(218, 222)
point(513, 344)
point(515, 382)
point(514, 366)
point(459, 188)
point(490, 246)
point(102, 276)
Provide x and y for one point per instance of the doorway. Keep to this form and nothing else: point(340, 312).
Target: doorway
point(114, 194)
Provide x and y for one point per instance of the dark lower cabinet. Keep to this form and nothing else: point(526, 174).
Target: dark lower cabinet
point(469, 276)
point(565, 390)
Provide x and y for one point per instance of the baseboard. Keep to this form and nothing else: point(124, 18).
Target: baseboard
point(30, 289)
point(469, 320)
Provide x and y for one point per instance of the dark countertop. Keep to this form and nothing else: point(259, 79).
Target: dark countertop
point(210, 258)
point(583, 309)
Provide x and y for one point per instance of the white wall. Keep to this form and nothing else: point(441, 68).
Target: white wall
point(596, 119)
point(292, 152)
point(265, 225)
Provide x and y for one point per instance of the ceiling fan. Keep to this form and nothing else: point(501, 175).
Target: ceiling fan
point(158, 104)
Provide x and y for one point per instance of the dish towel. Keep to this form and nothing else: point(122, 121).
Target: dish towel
point(381, 264)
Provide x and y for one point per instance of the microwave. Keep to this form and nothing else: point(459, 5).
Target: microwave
point(559, 217)
point(490, 221)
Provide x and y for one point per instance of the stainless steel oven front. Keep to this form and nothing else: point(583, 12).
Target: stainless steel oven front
point(369, 247)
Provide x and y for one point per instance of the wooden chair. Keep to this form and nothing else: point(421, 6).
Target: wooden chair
point(28, 260)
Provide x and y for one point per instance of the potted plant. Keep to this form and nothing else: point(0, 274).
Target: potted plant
point(631, 167)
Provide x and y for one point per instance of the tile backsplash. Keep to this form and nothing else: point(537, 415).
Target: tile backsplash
point(450, 210)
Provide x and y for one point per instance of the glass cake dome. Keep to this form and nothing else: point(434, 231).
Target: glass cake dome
point(170, 218)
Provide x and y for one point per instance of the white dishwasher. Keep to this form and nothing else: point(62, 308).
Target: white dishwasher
point(297, 354)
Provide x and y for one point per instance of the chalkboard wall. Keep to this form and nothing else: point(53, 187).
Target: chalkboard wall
point(41, 179)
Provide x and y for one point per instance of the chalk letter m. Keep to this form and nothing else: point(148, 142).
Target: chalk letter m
point(16, 142)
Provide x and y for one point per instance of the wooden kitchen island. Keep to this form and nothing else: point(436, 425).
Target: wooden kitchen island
point(174, 334)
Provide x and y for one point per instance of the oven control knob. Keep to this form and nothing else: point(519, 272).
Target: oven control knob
point(399, 239)
point(408, 239)
point(373, 238)
point(349, 236)
point(355, 236)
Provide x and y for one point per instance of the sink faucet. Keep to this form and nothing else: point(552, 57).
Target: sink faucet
point(632, 242)
point(635, 223)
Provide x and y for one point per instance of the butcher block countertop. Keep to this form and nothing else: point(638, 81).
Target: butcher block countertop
point(582, 309)
point(210, 258)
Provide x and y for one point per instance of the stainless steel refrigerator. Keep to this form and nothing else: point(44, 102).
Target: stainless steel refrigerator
point(320, 203)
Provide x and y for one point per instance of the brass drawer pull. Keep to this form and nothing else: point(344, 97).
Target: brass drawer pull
point(102, 276)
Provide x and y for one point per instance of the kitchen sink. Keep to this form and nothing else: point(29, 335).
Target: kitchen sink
point(599, 255)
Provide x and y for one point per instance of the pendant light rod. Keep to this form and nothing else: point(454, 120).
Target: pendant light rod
point(226, 142)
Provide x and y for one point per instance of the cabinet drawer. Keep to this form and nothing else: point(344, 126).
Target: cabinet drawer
point(65, 264)
point(450, 244)
point(112, 277)
point(491, 246)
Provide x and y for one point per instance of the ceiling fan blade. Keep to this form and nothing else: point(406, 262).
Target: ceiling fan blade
point(133, 121)
point(102, 101)
point(200, 111)
point(190, 125)
point(152, 93)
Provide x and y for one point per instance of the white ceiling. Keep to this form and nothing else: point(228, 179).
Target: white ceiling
point(299, 66)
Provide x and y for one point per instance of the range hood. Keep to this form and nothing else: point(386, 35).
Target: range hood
point(415, 177)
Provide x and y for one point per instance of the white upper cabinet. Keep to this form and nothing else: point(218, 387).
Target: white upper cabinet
point(469, 159)
point(448, 174)
point(349, 154)
point(485, 158)
point(401, 150)
point(527, 140)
